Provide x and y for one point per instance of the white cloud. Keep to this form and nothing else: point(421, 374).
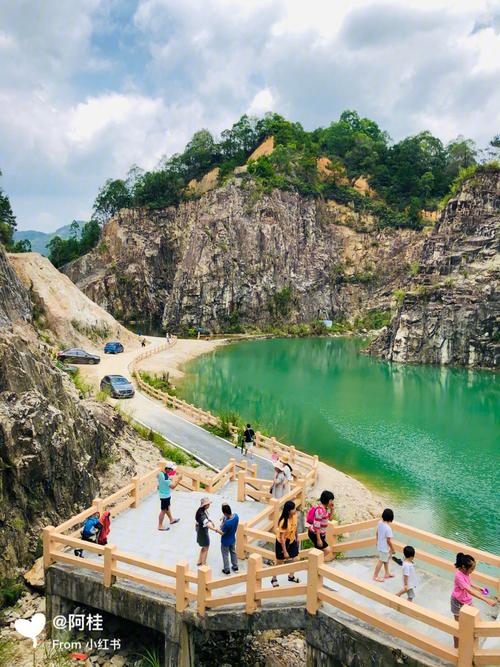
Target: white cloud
point(262, 102)
point(75, 110)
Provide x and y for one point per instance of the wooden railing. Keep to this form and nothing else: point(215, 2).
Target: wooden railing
point(304, 465)
point(253, 540)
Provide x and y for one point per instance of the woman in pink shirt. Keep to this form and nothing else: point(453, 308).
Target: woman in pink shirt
point(463, 589)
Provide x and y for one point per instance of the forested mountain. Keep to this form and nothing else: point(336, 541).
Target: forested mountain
point(40, 240)
point(402, 179)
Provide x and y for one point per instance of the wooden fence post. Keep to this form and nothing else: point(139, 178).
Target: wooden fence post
point(181, 585)
point(232, 461)
point(315, 559)
point(98, 504)
point(253, 583)
point(257, 439)
point(241, 540)
point(196, 482)
point(135, 491)
point(243, 464)
point(204, 576)
point(273, 445)
point(275, 504)
point(331, 536)
point(301, 502)
point(241, 486)
point(47, 546)
point(109, 563)
point(292, 453)
point(467, 642)
point(253, 469)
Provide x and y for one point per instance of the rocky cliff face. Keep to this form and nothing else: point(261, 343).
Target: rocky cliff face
point(238, 256)
point(56, 451)
point(451, 315)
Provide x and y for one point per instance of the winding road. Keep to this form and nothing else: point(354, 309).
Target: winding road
point(209, 449)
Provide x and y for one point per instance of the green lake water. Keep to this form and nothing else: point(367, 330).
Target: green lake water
point(427, 439)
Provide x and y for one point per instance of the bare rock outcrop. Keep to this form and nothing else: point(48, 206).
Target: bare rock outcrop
point(237, 255)
point(451, 315)
point(57, 451)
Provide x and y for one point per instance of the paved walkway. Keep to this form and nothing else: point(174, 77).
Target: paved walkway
point(210, 449)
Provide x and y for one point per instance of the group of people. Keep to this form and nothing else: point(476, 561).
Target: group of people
point(96, 529)
point(463, 589)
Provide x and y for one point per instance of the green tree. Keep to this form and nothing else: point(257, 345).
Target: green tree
point(7, 220)
point(24, 245)
point(460, 154)
point(113, 196)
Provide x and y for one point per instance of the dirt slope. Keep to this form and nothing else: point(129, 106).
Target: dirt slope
point(67, 312)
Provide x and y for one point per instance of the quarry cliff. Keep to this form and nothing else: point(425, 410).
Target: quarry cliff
point(451, 313)
point(237, 257)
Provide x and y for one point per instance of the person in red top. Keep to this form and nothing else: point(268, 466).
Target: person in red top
point(322, 515)
point(463, 589)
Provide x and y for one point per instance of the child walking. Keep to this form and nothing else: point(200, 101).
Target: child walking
point(384, 545)
point(463, 589)
point(409, 575)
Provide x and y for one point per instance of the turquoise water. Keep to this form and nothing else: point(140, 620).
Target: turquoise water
point(426, 438)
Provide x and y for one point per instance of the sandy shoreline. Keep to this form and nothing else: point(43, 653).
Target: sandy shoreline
point(171, 360)
point(354, 501)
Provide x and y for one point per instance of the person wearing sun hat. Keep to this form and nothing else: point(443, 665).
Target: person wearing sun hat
point(203, 524)
point(279, 480)
point(287, 469)
point(165, 486)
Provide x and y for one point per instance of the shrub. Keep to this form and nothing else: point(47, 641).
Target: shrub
point(160, 382)
point(223, 430)
point(83, 387)
point(10, 592)
point(399, 296)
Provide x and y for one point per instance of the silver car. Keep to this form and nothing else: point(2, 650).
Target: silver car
point(117, 386)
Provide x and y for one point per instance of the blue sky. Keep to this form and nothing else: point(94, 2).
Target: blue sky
point(90, 87)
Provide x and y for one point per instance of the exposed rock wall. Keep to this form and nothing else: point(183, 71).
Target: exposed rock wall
point(57, 452)
point(226, 257)
point(451, 315)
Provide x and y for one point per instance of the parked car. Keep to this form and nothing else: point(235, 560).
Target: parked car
point(76, 355)
point(117, 386)
point(113, 348)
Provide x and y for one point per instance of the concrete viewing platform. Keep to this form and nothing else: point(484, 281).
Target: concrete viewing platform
point(135, 531)
point(150, 578)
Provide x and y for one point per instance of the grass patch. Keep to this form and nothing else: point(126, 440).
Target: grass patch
point(373, 319)
point(93, 332)
point(7, 652)
point(160, 381)
point(223, 430)
point(150, 659)
point(10, 592)
point(83, 387)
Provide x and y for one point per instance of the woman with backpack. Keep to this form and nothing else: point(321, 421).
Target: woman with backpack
point(317, 520)
point(286, 546)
